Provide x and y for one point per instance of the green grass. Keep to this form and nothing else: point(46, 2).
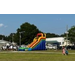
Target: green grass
point(48, 55)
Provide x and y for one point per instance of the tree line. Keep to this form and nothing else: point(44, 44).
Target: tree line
point(28, 31)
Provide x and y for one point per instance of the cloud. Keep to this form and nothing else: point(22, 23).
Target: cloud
point(1, 25)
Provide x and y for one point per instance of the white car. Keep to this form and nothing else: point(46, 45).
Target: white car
point(51, 47)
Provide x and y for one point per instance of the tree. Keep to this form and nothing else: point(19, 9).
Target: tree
point(29, 32)
point(72, 34)
point(2, 37)
point(48, 35)
point(10, 37)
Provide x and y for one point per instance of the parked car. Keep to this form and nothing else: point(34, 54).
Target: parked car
point(49, 46)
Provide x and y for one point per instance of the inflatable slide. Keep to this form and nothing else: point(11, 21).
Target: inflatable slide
point(37, 44)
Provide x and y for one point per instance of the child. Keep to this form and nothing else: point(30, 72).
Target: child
point(63, 50)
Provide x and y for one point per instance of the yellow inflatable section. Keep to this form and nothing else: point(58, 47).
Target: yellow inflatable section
point(34, 41)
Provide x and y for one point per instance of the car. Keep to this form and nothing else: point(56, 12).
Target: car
point(49, 46)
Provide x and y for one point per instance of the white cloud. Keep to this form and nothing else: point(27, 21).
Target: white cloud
point(1, 25)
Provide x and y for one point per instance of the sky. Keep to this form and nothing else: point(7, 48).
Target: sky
point(48, 23)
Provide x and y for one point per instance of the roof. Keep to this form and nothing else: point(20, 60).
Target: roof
point(59, 39)
point(56, 38)
point(52, 41)
point(2, 41)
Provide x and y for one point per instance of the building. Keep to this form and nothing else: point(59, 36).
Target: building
point(61, 41)
point(3, 42)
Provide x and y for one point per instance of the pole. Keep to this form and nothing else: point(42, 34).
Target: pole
point(66, 35)
point(20, 39)
point(12, 37)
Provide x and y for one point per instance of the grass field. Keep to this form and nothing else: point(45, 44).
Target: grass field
point(47, 55)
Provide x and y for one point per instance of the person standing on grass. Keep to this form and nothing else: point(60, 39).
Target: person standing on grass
point(63, 50)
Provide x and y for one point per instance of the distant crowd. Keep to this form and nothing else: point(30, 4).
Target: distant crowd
point(9, 47)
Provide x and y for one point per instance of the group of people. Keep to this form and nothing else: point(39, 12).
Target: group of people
point(64, 51)
point(11, 47)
